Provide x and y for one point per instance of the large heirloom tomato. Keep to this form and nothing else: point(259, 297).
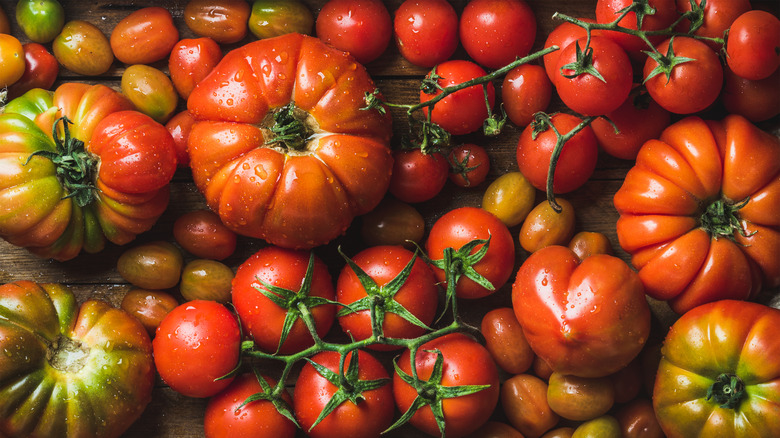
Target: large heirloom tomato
point(68, 371)
point(698, 212)
point(104, 177)
point(282, 148)
point(719, 373)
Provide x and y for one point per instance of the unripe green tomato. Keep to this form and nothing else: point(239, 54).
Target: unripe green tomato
point(272, 18)
point(40, 20)
point(510, 197)
point(204, 279)
point(154, 265)
point(151, 91)
point(605, 426)
point(83, 48)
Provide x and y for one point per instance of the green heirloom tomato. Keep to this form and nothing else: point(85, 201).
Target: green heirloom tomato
point(67, 371)
point(272, 18)
point(41, 20)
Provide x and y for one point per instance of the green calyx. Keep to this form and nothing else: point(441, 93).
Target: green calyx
point(289, 130)
point(583, 64)
point(721, 219)
point(76, 168)
point(727, 391)
point(666, 63)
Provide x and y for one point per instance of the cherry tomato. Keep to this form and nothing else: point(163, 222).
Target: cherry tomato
point(361, 27)
point(12, 60)
point(495, 32)
point(753, 45)
point(505, 340)
point(665, 13)
point(151, 91)
point(224, 21)
point(526, 90)
point(418, 176)
point(154, 265)
point(755, 100)
point(145, 36)
point(148, 306)
point(392, 222)
point(190, 61)
point(588, 243)
point(716, 17)
point(204, 279)
point(270, 18)
point(510, 197)
point(465, 110)
point(197, 343)
point(524, 401)
point(562, 35)
point(580, 398)
point(40, 70)
point(179, 126)
point(637, 420)
point(426, 31)
point(470, 165)
point(40, 20)
point(202, 234)
point(544, 226)
point(83, 48)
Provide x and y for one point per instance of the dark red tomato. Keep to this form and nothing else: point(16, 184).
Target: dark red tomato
point(470, 165)
point(224, 21)
point(637, 419)
point(180, 126)
point(392, 222)
point(690, 86)
point(148, 306)
point(190, 61)
point(755, 100)
point(716, 16)
point(753, 45)
point(526, 90)
point(261, 318)
point(496, 32)
point(505, 340)
point(577, 160)
point(361, 27)
point(464, 111)
point(202, 234)
point(563, 34)
point(418, 295)
point(426, 31)
point(40, 70)
point(463, 225)
point(418, 176)
point(145, 36)
point(587, 93)
point(608, 11)
point(313, 391)
point(465, 362)
point(227, 417)
point(197, 343)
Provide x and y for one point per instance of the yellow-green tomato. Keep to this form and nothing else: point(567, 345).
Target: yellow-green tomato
point(204, 279)
point(580, 398)
point(83, 48)
point(154, 265)
point(544, 226)
point(40, 20)
point(11, 60)
point(272, 18)
point(605, 426)
point(510, 197)
point(151, 91)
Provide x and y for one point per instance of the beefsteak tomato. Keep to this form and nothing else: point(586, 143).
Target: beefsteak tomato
point(698, 212)
point(68, 370)
point(282, 149)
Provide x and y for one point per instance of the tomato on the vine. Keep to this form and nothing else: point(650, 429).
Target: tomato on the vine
point(426, 31)
point(362, 28)
point(469, 165)
point(753, 45)
point(526, 90)
point(663, 14)
point(496, 32)
point(418, 176)
point(561, 36)
point(713, 17)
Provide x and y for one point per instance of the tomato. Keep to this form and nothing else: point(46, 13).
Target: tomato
point(83, 49)
point(561, 36)
point(262, 318)
point(663, 15)
point(364, 401)
point(271, 18)
point(224, 21)
point(418, 176)
point(753, 45)
point(5, 24)
point(148, 306)
point(40, 70)
point(470, 165)
point(638, 120)
point(179, 126)
point(603, 76)
point(524, 401)
point(40, 20)
point(560, 432)
point(392, 222)
point(576, 162)
point(580, 398)
point(463, 362)
point(755, 100)
point(588, 243)
point(544, 226)
point(145, 36)
point(494, 429)
point(12, 59)
point(408, 307)
point(151, 91)
point(69, 370)
point(124, 185)
point(682, 217)
point(627, 382)
point(587, 318)
point(295, 193)
point(202, 234)
point(228, 417)
point(455, 230)
point(713, 18)
point(526, 90)
point(204, 279)
point(361, 27)
point(426, 31)
point(719, 372)
point(496, 32)
point(687, 87)
point(153, 265)
point(191, 60)
point(637, 420)
point(510, 197)
point(541, 368)
point(605, 425)
point(505, 340)
point(463, 111)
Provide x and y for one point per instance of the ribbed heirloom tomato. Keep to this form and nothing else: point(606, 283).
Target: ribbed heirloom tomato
point(281, 148)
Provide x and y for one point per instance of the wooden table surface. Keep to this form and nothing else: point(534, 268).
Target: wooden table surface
point(95, 276)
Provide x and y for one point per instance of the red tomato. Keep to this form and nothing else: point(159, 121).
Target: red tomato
point(361, 27)
point(202, 234)
point(224, 21)
point(262, 318)
point(753, 45)
point(687, 87)
point(465, 110)
point(179, 126)
point(664, 14)
point(40, 70)
point(755, 100)
point(526, 90)
point(715, 17)
point(418, 294)
point(496, 32)
point(197, 343)
point(426, 31)
point(563, 34)
point(465, 362)
point(576, 162)
point(418, 176)
point(190, 61)
point(462, 225)
point(145, 36)
point(470, 165)
point(227, 417)
point(315, 388)
point(587, 318)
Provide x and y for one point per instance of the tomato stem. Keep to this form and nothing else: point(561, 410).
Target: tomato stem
point(721, 219)
point(289, 129)
point(727, 391)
